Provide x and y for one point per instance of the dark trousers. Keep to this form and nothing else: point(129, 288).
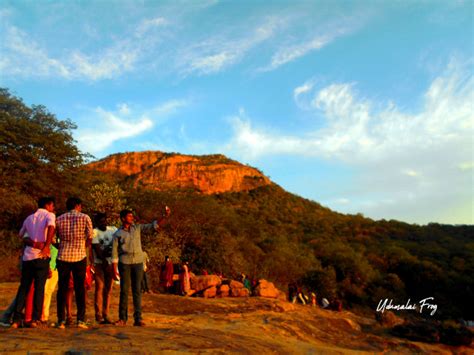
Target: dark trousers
point(145, 283)
point(103, 287)
point(78, 270)
point(131, 274)
point(32, 271)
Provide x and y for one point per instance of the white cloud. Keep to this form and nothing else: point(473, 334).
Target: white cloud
point(170, 107)
point(110, 127)
point(322, 37)
point(413, 159)
point(302, 90)
point(149, 24)
point(22, 56)
point(106, 127)
point(217, 53)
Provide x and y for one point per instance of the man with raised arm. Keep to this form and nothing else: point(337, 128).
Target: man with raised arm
point(127, 258)
point(40, 227)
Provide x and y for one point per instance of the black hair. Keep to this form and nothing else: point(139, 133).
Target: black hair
point(43, 201)
point(99, 216)
point(72, 202)
point(123, 213)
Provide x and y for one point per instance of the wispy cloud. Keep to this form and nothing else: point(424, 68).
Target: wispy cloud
point(149, 24)
point(424, 156)
point(217, 53)
point(109, 126)
point(22, 56)
point(321, 36)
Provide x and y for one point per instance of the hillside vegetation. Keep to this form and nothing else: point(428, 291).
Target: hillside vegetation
point(264, 232)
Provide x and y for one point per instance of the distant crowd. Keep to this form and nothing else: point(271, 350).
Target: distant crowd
point(296, 294)
point(68, 252)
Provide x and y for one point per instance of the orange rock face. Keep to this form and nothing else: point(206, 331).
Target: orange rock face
point(207, 174)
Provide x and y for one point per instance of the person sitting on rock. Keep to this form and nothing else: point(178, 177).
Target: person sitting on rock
point(247, 283)
point(301, 296)
point(313, 299)
point(292, 292)
point(168, 274)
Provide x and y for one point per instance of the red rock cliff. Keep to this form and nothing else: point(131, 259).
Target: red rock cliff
point(207, 174)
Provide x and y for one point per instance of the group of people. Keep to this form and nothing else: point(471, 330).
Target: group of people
point(182, 286)
point(56, 253)
point(297, 295)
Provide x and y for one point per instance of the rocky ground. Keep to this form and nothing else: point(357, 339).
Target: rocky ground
point(196, 325)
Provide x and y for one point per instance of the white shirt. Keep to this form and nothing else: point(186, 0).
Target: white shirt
point(36, 225)
point(105, 239)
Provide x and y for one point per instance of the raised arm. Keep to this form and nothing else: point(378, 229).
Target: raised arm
point(158, 223)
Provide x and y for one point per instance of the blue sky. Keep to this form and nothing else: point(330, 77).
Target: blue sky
point(363, 106)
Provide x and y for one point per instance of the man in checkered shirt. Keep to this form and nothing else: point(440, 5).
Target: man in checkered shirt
point(74, 230)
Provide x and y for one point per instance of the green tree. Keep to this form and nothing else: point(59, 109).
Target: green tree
point(38, 156)
point(108, 198)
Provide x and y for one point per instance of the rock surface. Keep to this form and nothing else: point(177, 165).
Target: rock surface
point(222, 325)
point(202, 282)
point(210, 292)
point(207, 174)
point(266, 289)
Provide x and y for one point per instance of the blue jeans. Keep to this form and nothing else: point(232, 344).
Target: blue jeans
point(130, 274)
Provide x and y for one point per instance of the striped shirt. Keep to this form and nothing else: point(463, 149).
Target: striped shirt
point(74, 229)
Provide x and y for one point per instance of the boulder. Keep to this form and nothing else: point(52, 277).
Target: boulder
point(202, 282)
point(266, 289)
point(223, 291)
point(242, 292)
point(236, 284)
point(210, 292)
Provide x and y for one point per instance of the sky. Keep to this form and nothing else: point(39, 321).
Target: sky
point(363, 106)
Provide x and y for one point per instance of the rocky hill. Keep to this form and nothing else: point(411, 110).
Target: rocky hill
point(207, 174)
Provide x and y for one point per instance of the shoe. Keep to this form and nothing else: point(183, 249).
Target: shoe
point(82, 325)
point(5, 323)
point(69, 321)
point(15, 325)
point(32, 324)
point(139, 323)
point(106, 321)
point(120, 322)
point(61, 325)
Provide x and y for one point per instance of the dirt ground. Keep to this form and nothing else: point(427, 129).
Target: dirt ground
point(228, 325)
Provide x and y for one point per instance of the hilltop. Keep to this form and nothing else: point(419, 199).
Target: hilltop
point(207, 174)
